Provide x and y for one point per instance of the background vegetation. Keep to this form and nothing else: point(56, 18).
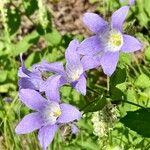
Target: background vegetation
point(42, 30)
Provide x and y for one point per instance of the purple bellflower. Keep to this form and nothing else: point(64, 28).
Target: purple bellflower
point(49, 115)
point(35, 79)
point(74, 72)
point(104, 47)
point(29, 79)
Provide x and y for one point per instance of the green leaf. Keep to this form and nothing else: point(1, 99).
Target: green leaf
point(30, 6)
point(132, 96)
point(53, 37)
point(14, 20)
point(122, 86)
point(1, 45)
point(117, 78)
point(96, 105)
point(4, 88)
point(3, 75)
point(143, 81)
point(25, 43)
point(142, 12)
point(147, 53)
point(32, 59)
point(138, 121)
point(125, 58)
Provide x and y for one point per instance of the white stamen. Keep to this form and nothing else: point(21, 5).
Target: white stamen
point(111, 39)
point(73, 74)
point(51, 112)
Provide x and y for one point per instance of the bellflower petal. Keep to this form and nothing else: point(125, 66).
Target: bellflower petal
point(109, 62)
point(51, 88)
point(71, 55)
point(80, 85)
point(46, 135)
point(32, 99)
point(74, 129)
point(69, 113)
point(94, 22)
point(90, 62)
point(131, 44)
point(73, 63)
point(25, 83)
point(33, 79)
point(118, 17)
point(29, 123)
point(23, 72)
point(131, 2)
point(56, 67)
point(90, 46)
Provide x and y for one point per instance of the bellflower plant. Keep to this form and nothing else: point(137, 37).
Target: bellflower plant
point(104, 47)
point(49, 115)
point(74, 72)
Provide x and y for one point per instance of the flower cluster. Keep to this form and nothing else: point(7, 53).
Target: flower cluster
point(39, 90)
point(104, 120)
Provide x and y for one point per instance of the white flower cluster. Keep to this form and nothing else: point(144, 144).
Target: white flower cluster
point(103, 121)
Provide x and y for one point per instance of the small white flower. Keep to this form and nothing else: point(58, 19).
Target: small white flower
point(104, 120)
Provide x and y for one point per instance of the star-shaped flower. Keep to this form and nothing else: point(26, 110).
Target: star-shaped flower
point(103, 48)
point(49, 115)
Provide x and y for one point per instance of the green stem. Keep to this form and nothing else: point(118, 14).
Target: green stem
point(136, 61)
point(134, 70)
point(90, 89)
point(108, 86)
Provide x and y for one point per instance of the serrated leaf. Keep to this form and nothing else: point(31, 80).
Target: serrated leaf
point(138, 121)
point(143, 81)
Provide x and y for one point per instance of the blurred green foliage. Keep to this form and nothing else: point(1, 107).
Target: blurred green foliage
point(24, 24)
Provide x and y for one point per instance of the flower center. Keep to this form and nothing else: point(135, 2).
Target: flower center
point(51, 112)
point(111, 39)
point(115, 40)
point(74, 75)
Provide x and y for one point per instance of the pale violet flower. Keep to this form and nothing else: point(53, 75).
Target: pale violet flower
point(49, 115)
point(73, 73)
point(103, 48)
